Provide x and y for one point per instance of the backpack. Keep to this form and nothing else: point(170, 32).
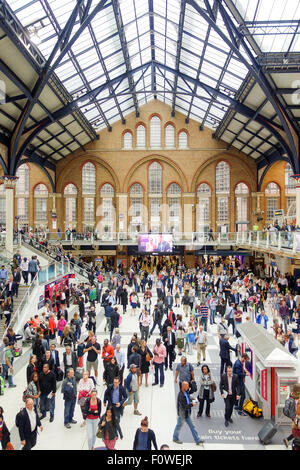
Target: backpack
point(251, 408)
point(289, 408)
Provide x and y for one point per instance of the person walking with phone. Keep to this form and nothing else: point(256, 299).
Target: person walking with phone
point(184, 408)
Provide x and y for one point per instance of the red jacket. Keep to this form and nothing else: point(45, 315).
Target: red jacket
point(110, 352)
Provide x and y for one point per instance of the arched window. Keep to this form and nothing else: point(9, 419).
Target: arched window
point(272, 192)
point(107, 194)
point(203, 188)
point(40, 194)
point(222, 177)
point(155, 178)
point(290, 183)
point(107, 190)
point(22, 186)
point(174, 188)
point(41, 190)
point(155, 132)
point(183, 140)
point(88, 179)
point(70, 190)
point(241, 188)
point(272, 188)
point(141, 136)
point(127, 141)
point(203, 207)
point(70, 193)
point(169, 136)
point(242, 193)
point(136, 190)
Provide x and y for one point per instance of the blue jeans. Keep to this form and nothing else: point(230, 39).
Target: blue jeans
point(204, 323)
point(189, 422)
point(43, 398)
point(212, 315)
point(69, 410)
point(154, 325)
point(159, 367)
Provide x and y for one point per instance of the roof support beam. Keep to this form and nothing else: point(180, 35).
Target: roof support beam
point(48, 69)
point(179, 43)
point(290, 139)
point(120, 26)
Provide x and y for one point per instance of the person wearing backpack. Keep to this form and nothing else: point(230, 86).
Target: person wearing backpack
point(69, 390)
point(292, 410)
point(27, 422)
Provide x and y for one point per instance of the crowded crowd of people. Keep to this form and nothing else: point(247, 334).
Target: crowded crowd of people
point(164, 298)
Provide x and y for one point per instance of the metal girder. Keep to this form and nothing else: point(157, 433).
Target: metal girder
point(179, 43)
point(152, 42)
point(213, 13)
point(121, 32)
point(266, 162)
point(40, 84)
point(69, 108)
point(256, 71)
point(42, 165)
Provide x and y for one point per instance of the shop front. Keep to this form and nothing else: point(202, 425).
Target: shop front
point(273, 370)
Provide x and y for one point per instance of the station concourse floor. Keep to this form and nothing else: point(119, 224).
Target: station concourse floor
point(159, 404)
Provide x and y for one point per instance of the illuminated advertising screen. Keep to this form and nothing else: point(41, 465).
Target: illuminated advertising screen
point(155, 243)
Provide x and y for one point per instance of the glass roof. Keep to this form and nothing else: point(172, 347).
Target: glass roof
point(185, 50)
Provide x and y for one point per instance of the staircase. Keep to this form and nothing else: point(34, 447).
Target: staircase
point(16, 304)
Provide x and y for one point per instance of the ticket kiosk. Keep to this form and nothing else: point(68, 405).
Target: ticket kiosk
point(273, 370)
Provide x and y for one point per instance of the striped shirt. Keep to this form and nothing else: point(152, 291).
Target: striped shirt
point(204, 311)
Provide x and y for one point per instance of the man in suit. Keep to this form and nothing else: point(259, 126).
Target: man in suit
point(114, 321)
point(115, 395)
point(169, 342)
point(163, 246)
point(240, 369)
point(168, 302)
point(230, 392)
point(69, 360)
point(27, 421)
point(55, 357)
point(225, 353)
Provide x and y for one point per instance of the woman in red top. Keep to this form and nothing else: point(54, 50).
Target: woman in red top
point(91, 415)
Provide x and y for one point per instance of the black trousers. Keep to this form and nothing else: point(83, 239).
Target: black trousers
point(201, 403)
point(224, 362)
point(169, 356)
point(229, 404)
point(30, 443)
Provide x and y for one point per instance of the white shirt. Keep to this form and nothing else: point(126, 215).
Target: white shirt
point(69, 359)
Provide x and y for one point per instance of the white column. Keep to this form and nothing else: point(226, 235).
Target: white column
point(9, 183)
point(298, 204)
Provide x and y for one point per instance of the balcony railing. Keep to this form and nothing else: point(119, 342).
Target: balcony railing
point(278, 241)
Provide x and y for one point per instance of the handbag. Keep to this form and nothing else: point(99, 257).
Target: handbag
point(24, 396)
point(148, 357)
point(100, 432)
point(214, 387)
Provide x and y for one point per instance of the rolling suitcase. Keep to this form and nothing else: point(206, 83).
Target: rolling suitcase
point(267, 432)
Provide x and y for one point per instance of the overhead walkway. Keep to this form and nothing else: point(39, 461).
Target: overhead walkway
point(284, 243)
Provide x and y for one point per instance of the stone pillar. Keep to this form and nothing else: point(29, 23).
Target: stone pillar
point(258, 210)
point(121, 213)
point(298, 204)
point(188, 200)
point(54, 225)
point(9, 183)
